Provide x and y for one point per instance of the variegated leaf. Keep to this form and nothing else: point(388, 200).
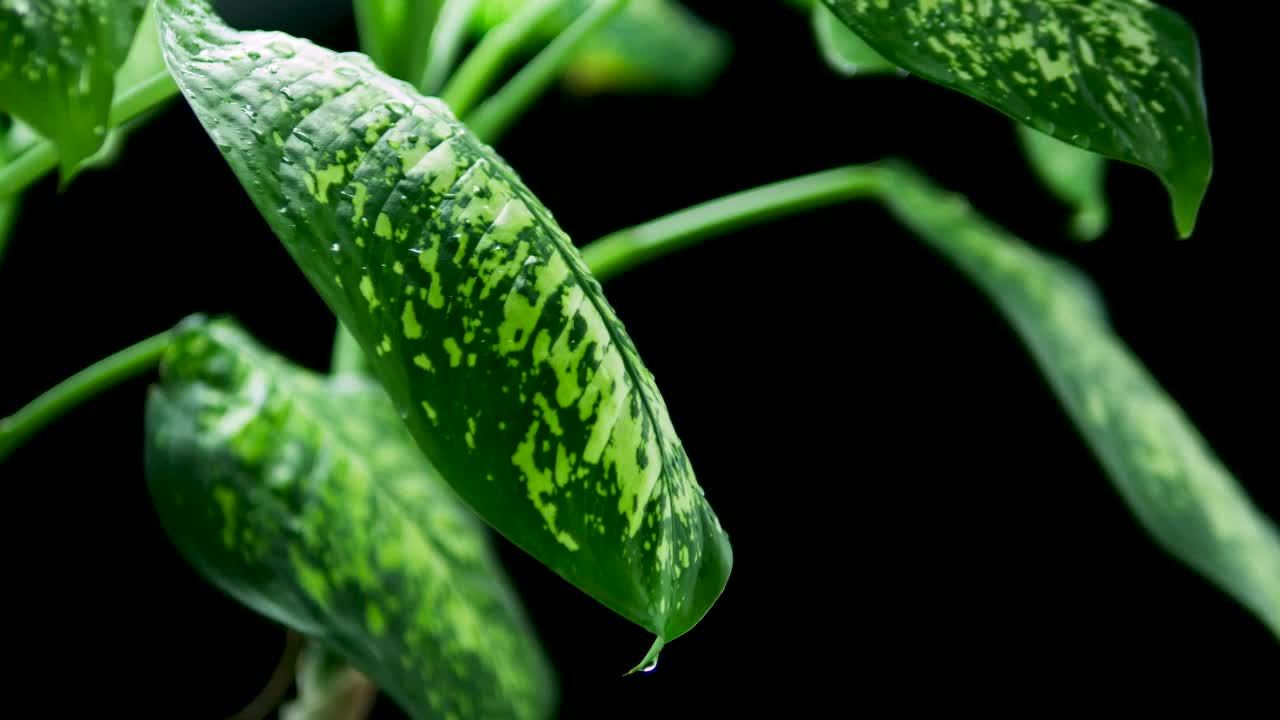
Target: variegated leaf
point(304, 497)
point(58, 60)
point(1178, 489)
point(496, 344)
point(1118, 77)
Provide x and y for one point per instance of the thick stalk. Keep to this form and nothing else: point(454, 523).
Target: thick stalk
point(496, 114)
point(446, 40)
point(477, 73)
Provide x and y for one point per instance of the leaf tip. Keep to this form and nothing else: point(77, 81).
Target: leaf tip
point(650, 661)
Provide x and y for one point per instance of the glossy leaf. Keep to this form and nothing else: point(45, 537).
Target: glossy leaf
point(1164, 469)
point(1118, 77)
point(844, 51)
point(58, 60)
point(652, 45)
point(499, 349)
point(1077, 177)
point(304, 497)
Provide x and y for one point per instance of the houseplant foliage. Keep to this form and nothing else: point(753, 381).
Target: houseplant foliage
point(482, 380)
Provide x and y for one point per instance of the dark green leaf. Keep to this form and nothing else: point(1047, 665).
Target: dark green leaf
point(57, 67)
point(1161, 465)
point(304, 497)
point(652, 45)
point(506, 361)
point(1075, 176)
point(844, 51)
point(1118, 77)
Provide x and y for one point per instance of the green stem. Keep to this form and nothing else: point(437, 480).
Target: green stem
point(446, 41)
point(618, 252)
point(491, 55)
point(28, 167)
point(497, 113)
point(8, 216)
point(87, 383)
point(367, 32)
point(42, 157)
point(348, 357)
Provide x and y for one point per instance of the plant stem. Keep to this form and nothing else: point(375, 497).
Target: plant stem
point(42, 157)
point(367, 34)
point(482, 66)
point(618, 252)
point(87, 383)
point(446, 40)
point(497, 113)
point(278, 685)
point(28, 167)
point(347, 355)
point(8, 217)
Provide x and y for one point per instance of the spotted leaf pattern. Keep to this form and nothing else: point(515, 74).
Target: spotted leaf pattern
point(497, 346)
point(1120, 78)
point(58, 60)
point(1163, 468)
point(304, 497)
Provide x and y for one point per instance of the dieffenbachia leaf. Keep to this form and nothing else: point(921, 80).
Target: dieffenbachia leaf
point(652, 45)
point(1178, 489)
point(1118, 77)
point(1075, 176)
point(305, 498)
point(500, 351)
point(844, 51)
point(57, 67)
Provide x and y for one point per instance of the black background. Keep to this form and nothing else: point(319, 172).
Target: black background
point(915, 522)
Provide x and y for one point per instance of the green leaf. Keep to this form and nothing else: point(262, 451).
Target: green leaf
point(1118, 77)
point(1075, 176)
point(57, 68)
point(303, 497)
point(1164, 469)
point(497, 346)
point(844, 51)
point(651, 46)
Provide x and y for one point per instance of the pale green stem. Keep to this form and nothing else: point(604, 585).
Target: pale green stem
point(446, 41)
point(367, 33)
point(618, 252)
point(497, 113)
point(348, 357)
point(42, 157)
point(102, 375)
point(490, 56)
